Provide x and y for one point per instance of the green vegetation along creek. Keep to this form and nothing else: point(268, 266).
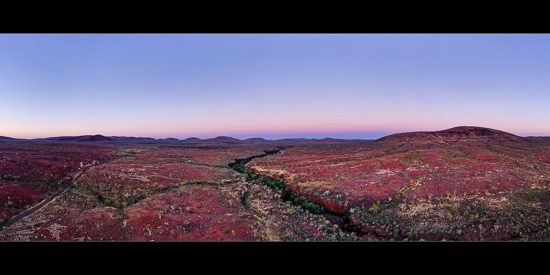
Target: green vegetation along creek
point(288, 196)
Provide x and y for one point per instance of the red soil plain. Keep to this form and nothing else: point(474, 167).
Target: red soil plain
point(459, 184)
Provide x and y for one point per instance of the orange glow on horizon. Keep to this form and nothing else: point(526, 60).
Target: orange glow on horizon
point(301, 129)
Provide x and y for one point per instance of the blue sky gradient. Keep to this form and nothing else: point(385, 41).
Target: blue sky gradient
point(272, 85)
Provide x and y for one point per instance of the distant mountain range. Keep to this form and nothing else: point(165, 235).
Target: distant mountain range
point(452, 134)
point(220, 139)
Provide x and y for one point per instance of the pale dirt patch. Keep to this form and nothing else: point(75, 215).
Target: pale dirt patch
point(385, 172)
point(270, 172)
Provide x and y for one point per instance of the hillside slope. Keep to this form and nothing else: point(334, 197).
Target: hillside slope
point(456, 134)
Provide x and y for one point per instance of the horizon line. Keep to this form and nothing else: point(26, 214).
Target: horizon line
point(290, 136)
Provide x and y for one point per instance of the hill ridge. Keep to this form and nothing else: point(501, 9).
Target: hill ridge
point(459, 133)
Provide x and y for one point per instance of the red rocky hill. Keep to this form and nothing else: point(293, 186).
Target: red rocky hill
point(461, 133)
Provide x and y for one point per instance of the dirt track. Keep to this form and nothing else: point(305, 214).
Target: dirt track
point(43, 203)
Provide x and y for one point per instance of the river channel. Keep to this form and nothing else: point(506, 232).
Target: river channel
point(289, 195)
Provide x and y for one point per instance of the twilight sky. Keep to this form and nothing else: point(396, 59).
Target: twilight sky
point(272, 85)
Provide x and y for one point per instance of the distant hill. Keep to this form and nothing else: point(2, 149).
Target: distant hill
point(222, 139)
point(2, 138)
point(168, 139)
point(328, 140)
point(133, 139)
point(85, 138)
point(255, 140)
point(538, 139)
point(461, 133)
point(94, 138)
point(192, 139)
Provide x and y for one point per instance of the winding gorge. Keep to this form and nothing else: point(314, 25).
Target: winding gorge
point(329, 210)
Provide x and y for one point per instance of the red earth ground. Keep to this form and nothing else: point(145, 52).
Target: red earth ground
point(464, 183)
point(170, 193)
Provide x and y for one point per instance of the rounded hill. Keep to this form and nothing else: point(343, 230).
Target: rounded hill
point(94, 138)
point(461, 133)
